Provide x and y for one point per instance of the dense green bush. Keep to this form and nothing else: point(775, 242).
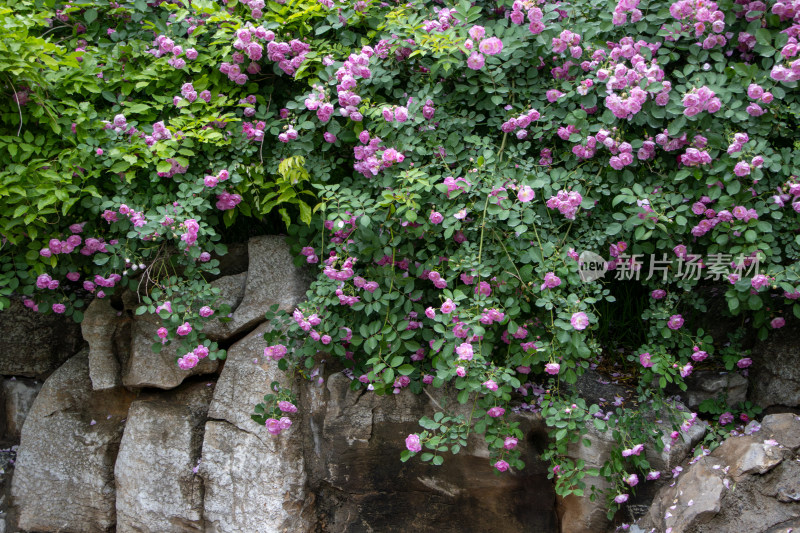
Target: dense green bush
point(459, 160)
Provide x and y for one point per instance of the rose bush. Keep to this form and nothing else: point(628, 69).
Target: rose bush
point(462, 157)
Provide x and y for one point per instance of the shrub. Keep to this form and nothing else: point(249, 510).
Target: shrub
point(463, 157)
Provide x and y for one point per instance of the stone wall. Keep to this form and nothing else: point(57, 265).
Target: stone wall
point(112, 437)
point(108, 436)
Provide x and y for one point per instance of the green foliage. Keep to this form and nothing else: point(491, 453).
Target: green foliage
point(440, 200)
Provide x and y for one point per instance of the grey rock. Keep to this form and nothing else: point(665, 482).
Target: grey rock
point(673, 453)
point(703, 385)
point(100, 321)
point(254, 484)
point(7, 512)
point(272, 279)
point(783, 427)
point(231, 293)
point(695, 498)
point(254, 481)
point(786, 527)
point(27, 346)
point(156, 488)
point(746, 484)
point(757, 503)
point(18, 395)
point(352, 443)
point(775, 374)
point(749, 455)
point(580, 514)
point(64, 476)
point(147, 369)
point(244, 381)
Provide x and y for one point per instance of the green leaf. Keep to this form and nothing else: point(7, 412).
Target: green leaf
point(676, 125)
point(764, 36)
point(90, 15)
point(405, 370)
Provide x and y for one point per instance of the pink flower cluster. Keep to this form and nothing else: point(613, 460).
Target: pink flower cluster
point(694, 157)
point(535, 15)
point(456, 184)
point(175, 168)
point(789, 192)
point(256, 7)
point(487, 46)
point(739, 140)
point(522, 121)
point(567, 40)
point(624, 7)
point(191, 228)
point(67, 246)
point(289, 55)
point(700, 99)
point(310, 255)
point(160, 133)
point(188, 92)
point(367, 163)
point(789, 72)
point(356, 66)
point(395, 113)
point(318, 101)
point(346, 272)
point(567, 203)
point(166, 46)
point(249, 101)
point(306, 324)
point(620, 77)
point(136, 217)
point(701, 16)
point(212, 181)
point(254, 130)
point(757, 93)
point(489, 316)
point(446, 19)
point(191, 359)
point(275, 426)
point(277, 351)
point(226, 201)
point(743, 168)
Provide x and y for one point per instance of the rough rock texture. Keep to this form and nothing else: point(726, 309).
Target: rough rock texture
point(231, 293)
point(705, 385)
point(156, 488)
point(64, 477)
point(674, 452)
point(147, 369)
point(7, 514)
point(34, 345)
point(100, 321)
point(254, 481)
point(581, 515)
point(775, 374)
point(18, 396)
point(352, 443)
point(746, 484)
point(272, 279)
